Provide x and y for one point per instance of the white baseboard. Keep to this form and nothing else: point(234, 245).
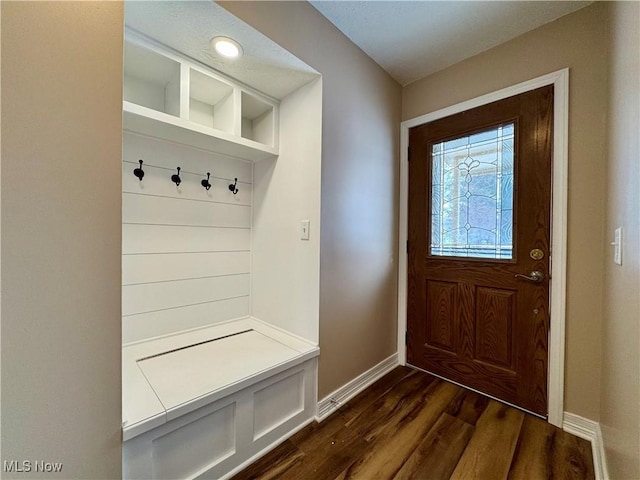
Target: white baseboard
point(589, 430)
point(334, 400)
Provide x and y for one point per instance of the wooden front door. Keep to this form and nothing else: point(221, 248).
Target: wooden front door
point(479, 248)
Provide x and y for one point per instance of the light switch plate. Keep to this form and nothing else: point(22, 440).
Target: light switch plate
point(304, 230)
point(617, 246)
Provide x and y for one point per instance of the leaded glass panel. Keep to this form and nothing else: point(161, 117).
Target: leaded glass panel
point(472, 195)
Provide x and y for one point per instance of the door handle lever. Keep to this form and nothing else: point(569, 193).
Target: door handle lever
point(536, 276)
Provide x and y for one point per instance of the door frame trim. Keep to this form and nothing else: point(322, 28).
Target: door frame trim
point(560, 80)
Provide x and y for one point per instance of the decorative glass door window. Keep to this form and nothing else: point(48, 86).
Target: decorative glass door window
point(472, 195)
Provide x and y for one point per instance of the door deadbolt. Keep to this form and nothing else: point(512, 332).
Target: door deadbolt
point(536, 254)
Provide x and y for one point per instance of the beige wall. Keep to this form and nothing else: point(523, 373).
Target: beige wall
point(360, 145)
point(576, 41)
point(60, 206)
point(620, 388)
point(61, 156)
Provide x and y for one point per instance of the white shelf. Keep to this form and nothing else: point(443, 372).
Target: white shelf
point(211, 102)
point(171, 97)
point(147, 122)
point(151, 80)
point(257, 119)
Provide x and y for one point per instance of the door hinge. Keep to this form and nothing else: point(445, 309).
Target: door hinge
point(407, 246)
point(406, 338)
point(408, 154)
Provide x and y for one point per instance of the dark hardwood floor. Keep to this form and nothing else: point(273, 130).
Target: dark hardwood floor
point(411, 425)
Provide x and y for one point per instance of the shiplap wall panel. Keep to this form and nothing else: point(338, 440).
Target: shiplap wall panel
point(161, 153)
point(162, 322)
point(150, 297)
point(148, 239)
point(186, 251)
point(158, 179)
point(181, 266)
point(175, 211)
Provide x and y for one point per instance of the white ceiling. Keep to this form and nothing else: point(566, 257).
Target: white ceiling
point(188, 26)
point(411, 40)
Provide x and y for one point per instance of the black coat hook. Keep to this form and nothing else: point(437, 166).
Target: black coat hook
point(138, 172)
point(205, 183)
point(233, 187)
point(175, 178)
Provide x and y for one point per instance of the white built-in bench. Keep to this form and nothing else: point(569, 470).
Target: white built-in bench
point(203, 403)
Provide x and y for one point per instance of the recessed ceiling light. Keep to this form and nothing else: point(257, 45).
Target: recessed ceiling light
point(227, 47)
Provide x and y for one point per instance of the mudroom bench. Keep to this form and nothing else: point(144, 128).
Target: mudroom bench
point(203, 403)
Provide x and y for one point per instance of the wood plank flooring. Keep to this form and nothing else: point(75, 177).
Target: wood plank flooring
point(411, 425)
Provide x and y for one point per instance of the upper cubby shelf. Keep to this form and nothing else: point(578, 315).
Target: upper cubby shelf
point(174, 98)
point(257, 119)
point(151, 80)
